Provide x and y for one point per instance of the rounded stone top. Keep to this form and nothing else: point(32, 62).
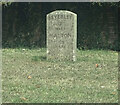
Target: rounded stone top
point(61, 12)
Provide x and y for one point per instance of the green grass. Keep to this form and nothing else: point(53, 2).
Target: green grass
point(57, 82)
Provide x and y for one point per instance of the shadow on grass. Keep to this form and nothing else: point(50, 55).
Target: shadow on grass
point(44, 58)
point(38, 58)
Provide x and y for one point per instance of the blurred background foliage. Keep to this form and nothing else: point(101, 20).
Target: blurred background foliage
point(24, 24)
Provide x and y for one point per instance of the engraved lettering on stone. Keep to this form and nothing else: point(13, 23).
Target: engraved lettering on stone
point(61, 35)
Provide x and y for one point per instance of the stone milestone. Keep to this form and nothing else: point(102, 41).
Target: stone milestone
point(61, 35)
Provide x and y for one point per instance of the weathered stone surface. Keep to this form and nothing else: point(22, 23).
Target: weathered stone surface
point(61, 35)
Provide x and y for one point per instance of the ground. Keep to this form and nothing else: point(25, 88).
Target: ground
point(27, 77)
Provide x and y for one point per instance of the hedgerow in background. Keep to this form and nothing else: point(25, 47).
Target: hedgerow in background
point(24, 24)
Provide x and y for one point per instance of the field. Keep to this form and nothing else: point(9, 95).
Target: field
point(27, 77)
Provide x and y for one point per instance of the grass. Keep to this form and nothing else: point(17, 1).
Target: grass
point(57, 82)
